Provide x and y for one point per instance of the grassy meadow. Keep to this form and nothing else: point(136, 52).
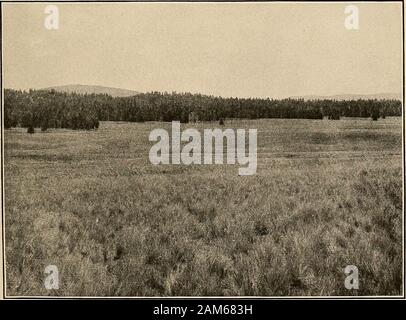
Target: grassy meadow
point(327, 194)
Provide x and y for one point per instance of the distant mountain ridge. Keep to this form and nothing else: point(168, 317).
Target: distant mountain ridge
point(119, 92)
point(89, 89)
point(341, 97)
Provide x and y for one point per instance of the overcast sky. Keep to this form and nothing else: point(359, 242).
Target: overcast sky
point(245, 49)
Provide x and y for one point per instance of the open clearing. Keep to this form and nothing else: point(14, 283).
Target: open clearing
point(327, 194)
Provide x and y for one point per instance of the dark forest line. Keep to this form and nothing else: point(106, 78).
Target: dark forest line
point(51, 109)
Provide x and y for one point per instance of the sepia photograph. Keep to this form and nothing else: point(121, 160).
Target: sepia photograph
point(246, 149)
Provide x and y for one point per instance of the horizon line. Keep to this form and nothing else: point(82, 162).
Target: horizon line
point(303, 96)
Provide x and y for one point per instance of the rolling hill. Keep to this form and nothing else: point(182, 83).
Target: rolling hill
point(340, 97)
point(82, 89)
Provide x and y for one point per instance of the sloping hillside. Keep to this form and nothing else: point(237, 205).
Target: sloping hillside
point(79, 88)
